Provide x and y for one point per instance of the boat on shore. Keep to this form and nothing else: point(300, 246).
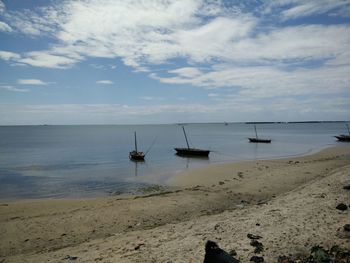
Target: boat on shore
point(135, 155)
point(191, 152)
point(257, 139)
point(344, 137)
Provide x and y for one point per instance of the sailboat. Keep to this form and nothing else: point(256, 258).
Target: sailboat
point(343, 137)
point(135, 155)
point(256, 139)
point(191, 151)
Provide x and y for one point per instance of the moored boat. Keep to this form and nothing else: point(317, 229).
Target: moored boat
point(135, 155)
point(194, 152)
point(343, 137)
point(258, 140)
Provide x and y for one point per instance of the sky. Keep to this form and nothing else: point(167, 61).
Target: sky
point(162, 61)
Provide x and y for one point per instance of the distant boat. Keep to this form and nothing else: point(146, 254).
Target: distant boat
point(135, 155)
point(258, 140)
point(343, 137)
point(191, 151)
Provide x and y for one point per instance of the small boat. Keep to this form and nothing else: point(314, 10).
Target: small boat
point(258, 140)
point(343, 137)
point(191, 151)
point(135, 155)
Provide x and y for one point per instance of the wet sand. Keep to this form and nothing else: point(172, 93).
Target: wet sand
point(289, 202)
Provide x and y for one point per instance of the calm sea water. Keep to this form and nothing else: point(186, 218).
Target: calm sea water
point(83, 161)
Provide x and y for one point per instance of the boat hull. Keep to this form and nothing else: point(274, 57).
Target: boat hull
point(137, 156)
point(259, 140)
point(191, 152)
point(343, 138)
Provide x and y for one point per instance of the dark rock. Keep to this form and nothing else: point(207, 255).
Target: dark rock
point(342, 207)
point(138, 246)
point(232, 253)
point(251, 236)
point(68, 257)
point(347, 187)
point(347, 227)
point(257, 259)
point(214, 254)
point(255, 243)
point(258, 246)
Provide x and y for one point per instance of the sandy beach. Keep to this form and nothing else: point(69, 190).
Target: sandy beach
point(290, 202)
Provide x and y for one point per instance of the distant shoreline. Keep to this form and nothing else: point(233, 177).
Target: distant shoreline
point(182, 123)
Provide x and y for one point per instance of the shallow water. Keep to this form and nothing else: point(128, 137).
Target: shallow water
point(83, 161)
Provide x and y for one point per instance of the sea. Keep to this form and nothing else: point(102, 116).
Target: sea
point(79, 161)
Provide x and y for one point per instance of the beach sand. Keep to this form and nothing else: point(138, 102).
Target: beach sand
point(290, 202)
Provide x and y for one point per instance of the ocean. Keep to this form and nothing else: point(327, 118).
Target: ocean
point(92, 160)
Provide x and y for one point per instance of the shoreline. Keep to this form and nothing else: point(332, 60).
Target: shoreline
point(149, 181)
point(49, 229)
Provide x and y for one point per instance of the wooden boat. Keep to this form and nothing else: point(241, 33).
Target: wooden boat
point(191, 151)
point(343, 137)
point(135, 155)
point(258, 140)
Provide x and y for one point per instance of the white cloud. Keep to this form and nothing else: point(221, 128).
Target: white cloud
point(186, 72)
point(105, 82)
point(12, 88)
point(47, 59)
point(219, 47)
point(150, 98)
point(284, 109)
point(2, 7)
point(138, 32)
point(291, 9)
point(143, 34)
point(6, 55)
point(31, 82)
point(307, 8)
point(267, 81)
point(5, 27)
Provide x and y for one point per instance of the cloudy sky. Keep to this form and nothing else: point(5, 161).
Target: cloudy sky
point(145, 61)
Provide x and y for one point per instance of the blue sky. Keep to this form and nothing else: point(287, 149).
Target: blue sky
point(128, 61)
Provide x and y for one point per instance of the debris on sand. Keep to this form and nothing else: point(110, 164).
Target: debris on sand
point(257, 259)
point(342, 207)
point(252, 236)
point(214, 254)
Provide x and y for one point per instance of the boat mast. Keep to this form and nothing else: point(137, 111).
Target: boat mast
point(256, 134)
point(135, 142)
point(183, 128)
